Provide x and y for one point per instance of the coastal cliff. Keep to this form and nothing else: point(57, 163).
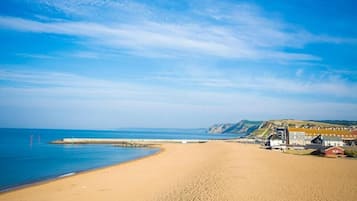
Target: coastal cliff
point(242, 127)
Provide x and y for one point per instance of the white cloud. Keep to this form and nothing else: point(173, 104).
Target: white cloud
point(185, 96)
point(35, 56)
point(241, 32)
point(168, 84)
point(195, 76)
point(93, 9)
point(45, 99)
point(86, 55)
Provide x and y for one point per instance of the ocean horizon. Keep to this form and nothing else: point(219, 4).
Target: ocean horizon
point(27, 156)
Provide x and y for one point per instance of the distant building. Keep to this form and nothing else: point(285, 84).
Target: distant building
point(352, 141)
point(274, 141)
point(328, 137)
point(334, 151)
point(351, 138)
point(332, 141)
point(296, 138)
point(317, 140)
point(282, 133)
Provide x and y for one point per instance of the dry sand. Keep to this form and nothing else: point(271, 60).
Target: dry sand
point(210, 171)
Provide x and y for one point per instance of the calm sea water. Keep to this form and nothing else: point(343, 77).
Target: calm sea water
point(26, 155)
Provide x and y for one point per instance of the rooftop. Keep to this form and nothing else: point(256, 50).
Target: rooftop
point(325, 132)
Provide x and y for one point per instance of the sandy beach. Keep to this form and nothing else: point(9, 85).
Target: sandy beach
point(206, 171)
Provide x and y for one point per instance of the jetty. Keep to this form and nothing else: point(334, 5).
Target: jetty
point(124, 142)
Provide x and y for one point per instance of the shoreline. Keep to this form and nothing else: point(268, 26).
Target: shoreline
point(60, 177)
point(211, 171)
point(125, 142)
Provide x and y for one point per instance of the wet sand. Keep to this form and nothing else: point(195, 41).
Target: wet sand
point(207, 171)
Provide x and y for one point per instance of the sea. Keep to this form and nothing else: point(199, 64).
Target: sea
point(27, 156)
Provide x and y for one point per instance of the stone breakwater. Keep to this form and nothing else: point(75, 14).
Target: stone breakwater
point(123, 142)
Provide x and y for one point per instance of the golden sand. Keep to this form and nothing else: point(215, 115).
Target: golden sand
point(210, 171)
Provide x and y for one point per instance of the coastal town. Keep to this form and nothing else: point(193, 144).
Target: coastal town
point(328, 141)
point(297, 136)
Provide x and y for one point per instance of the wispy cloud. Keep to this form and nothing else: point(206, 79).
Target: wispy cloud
point(93, 9)
point(35, 56)
point(244, 32)
point(326, 84)
point(207, 63)
point(148, 105)
point(195, 80)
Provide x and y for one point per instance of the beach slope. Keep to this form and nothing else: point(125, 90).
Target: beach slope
point(206, 171)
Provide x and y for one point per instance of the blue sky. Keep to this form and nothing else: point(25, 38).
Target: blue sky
point(112, 64)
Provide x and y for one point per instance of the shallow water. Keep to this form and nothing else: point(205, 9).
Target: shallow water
point(26, 155)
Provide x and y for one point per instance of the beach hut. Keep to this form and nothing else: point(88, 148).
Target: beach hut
point(334, 152)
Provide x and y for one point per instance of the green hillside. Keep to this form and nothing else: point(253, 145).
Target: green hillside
point(242, 127)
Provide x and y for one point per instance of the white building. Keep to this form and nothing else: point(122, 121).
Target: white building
point(296, 138)
point(332, 141)
point(274, 141)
